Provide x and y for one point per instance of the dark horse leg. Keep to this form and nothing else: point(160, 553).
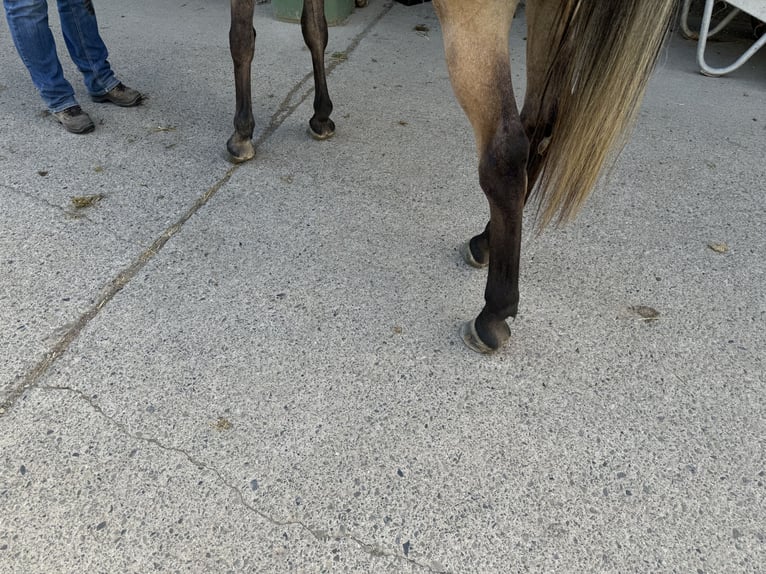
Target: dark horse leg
point(242, 46)
point(476, 46)
point(314, 28)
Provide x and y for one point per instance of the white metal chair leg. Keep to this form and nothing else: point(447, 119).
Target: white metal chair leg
point(687, 32)
point(705, 34)
point(690, 34)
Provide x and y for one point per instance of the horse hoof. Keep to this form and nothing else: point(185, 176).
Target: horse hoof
point(236, 160)
point(326, 135)
point(467, 254)
point(321, 129)
point(240, 152)
point(474, 342)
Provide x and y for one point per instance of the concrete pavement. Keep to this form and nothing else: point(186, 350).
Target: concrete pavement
point(256, 368)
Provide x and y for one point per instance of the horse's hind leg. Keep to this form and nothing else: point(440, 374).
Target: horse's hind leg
point(475, 251)
point(242, 46)
point(476, 46)
point(314, 27)
point(544, 19)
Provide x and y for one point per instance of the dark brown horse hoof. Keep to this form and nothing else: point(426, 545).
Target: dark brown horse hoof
point(474, 342)
point(465, 252)
point(240, 151)
point(321, 129)
point(320, 137)
point(360, 3)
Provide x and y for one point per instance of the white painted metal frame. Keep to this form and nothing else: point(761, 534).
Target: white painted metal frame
point(755, 8)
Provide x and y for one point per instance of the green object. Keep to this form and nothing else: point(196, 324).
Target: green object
point(335, 11)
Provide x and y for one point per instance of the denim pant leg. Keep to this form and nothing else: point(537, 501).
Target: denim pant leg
point(88, 51)
point(28, 23)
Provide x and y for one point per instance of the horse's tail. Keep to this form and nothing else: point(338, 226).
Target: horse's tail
point(595, 82)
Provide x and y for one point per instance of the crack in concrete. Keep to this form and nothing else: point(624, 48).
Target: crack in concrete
point(70, 213)
point(32, 198)
point(319, 535)
point(33, 376)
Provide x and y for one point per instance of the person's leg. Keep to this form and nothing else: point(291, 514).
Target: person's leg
point(28, 23)
point(87, 49)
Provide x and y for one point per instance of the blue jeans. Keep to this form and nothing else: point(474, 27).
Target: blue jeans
point(28, 22)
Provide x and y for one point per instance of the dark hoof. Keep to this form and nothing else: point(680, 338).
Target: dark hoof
point(473, 341)
point(468, 257)
point(321, 130)
point(360, 3)
point(240, 150)
point(320, 137)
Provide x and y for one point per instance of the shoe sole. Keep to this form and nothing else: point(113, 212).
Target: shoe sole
point(85, 130)
point(72, 130)
point(128, 104)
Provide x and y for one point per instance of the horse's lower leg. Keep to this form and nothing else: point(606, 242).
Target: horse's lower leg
point(314, 27)
point(502, 174)
point(242, 47)
point(476, 46)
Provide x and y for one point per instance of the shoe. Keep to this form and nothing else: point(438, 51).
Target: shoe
point(120, 95)
point(75, 120)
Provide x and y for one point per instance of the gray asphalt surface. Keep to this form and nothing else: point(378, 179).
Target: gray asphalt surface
point(256, 368)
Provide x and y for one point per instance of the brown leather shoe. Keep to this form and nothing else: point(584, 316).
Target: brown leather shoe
point(75, 120)
point(120, 95)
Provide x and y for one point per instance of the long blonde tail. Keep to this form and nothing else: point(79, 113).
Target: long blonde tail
point(596, 80)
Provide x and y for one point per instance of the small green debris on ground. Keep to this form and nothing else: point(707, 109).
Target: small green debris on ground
point(83, 201)
point(222, 424)
point(718, 247)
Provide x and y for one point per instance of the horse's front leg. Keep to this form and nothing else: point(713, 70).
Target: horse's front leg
point(242, 47)
point(314, 27)
point(476, 46)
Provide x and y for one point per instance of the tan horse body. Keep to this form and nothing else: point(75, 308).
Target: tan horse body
point(588, 62)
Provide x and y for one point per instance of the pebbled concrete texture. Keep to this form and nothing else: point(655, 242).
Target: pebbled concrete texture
point(256, 369)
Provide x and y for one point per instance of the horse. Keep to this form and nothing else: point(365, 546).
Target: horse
point(588, 64)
